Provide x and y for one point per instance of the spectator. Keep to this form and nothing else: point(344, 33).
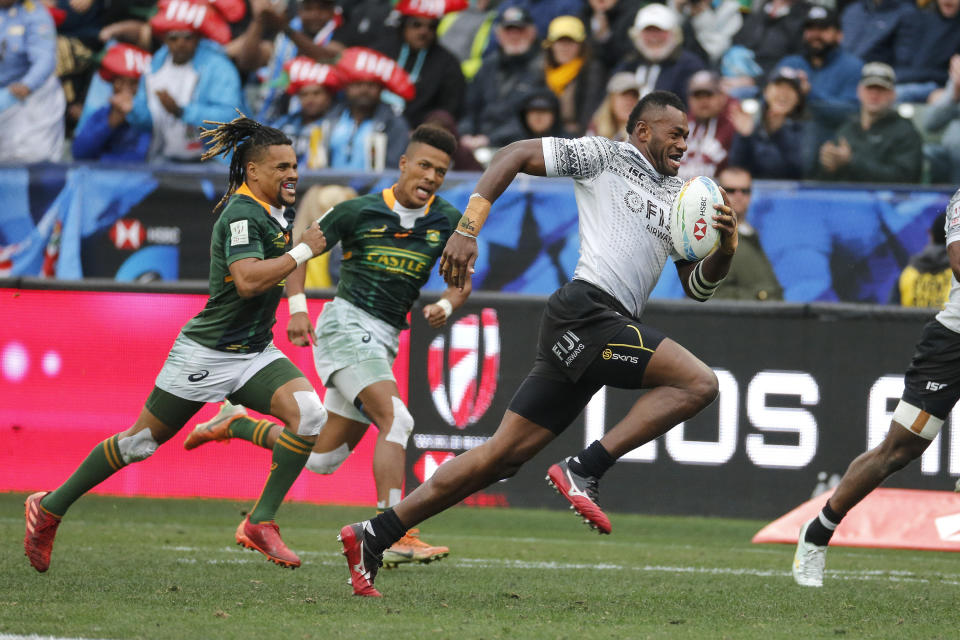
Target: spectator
point(878, 144)
point(751, 275)
point(544, 11)
point(933, 38)
point(771, 147)
point(434, 71)
point(466, 34)
point(309, 33)
point(365, 133)
point(31, 100)
point(708, 26)
point(190, 80)
point(462, 158)
point(925, 281)
point(365, 21)
point(773, 32)
point(943, 115)
point(610, 119)
point(711, 130)
point(315, 86)
point(106, 135)
point(572, 73)
point(658, 61)
point(610, 22)
point(506, 77)
point(540, 116)
point(828, 77)
point(875, 30)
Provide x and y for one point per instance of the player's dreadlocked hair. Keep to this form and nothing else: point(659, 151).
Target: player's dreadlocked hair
point(245, 137)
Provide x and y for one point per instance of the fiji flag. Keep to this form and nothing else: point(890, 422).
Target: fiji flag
point(90, 201)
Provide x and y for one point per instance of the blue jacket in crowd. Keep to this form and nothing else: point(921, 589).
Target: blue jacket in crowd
point(877, 31)
point(95, 140)
point(216, 97)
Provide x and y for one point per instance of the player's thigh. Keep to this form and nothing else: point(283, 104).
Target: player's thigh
point(367, 388)
point(931, 384)
point(164, 414)
point(548, 399)
point(269, 387)
point(625, 359)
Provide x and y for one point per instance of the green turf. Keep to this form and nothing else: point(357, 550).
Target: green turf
point(130, 568)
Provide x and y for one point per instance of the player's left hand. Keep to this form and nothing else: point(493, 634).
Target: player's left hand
point(435, 315)
point(725, 221)
point(457, 260)
point(300, 330)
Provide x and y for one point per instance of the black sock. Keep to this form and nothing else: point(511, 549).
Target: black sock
point(387, 529)
point(592, 461)
point(821, 529)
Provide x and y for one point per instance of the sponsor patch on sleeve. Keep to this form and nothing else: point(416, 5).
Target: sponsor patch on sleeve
point(239, 233)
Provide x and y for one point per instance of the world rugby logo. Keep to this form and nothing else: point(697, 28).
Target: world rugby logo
point(463, 376)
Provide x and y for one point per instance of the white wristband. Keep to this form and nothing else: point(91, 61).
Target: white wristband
point(444, 304)
point(297, 303)
point(301, 253)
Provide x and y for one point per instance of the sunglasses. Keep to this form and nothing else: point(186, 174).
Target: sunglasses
point(743, 190)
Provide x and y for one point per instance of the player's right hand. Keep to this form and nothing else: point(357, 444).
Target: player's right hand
point(456, 262)
point(314, 238)
point(300, 330)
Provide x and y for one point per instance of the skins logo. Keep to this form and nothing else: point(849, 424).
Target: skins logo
point(466, 399)
point(198, 376)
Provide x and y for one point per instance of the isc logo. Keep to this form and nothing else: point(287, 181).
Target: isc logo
point(935, 386)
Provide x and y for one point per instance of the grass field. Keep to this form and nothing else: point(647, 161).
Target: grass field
point(130, 568)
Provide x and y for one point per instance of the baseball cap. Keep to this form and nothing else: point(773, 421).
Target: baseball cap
point(622, 81)
point(566, 27)
point(515, 17)
point(878, 74)
point(656, 15)
point(821, 17)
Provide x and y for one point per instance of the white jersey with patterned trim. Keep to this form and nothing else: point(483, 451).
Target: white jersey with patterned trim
point(624, 206)
point(950, 315)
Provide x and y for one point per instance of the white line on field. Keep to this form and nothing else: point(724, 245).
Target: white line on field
point(9, 636)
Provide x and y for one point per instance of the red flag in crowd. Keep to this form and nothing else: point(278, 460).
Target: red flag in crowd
point(124, 60)
point(360, 64)
point(198, 16)
point(434, 9)
point(304, 71)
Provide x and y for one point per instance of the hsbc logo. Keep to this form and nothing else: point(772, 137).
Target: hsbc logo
point(948, 527)
point(700, 229)
point(128, 233)
point(463, 373)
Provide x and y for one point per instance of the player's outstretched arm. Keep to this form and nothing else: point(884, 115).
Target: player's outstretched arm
point(253, 276)
point(460, 252)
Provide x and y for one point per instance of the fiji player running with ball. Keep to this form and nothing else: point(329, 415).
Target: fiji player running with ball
point(624, 192)
point(227, 349)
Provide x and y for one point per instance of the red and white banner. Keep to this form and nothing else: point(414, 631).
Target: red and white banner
point(887, 518)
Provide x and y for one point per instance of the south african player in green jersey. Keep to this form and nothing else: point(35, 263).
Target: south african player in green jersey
point(226, 350)
point(391, 240)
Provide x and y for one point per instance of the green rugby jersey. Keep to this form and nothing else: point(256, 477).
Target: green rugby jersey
point(228, 322)
point(384, 265)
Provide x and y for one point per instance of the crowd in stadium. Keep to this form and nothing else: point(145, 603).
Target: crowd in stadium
point(848, 90)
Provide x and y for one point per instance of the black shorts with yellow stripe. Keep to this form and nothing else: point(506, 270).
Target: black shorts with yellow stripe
point(548, 396)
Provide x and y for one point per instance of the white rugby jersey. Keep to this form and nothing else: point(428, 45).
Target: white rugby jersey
point(950, 315)
point(624, 206)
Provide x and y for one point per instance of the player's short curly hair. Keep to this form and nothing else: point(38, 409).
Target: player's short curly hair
point(653, 100)
point(436, 137)
point(247, 139)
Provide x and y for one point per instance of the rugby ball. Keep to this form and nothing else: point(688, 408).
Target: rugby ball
point(691, 218)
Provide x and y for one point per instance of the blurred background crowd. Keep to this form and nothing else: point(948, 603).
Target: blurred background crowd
point(846, 90)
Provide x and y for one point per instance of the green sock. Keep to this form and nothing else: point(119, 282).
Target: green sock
point(255, 431)
point(102, 463)
point(290, 453)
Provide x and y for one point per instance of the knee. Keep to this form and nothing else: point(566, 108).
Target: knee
point(139, 446)
point(313, 415)
point(705, 388)
point(329, 461)
point(398, 427)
